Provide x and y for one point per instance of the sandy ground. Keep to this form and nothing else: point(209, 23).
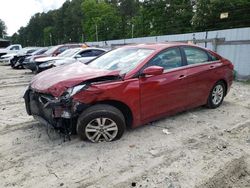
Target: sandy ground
point(201, 147)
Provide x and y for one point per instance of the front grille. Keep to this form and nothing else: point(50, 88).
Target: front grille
point(37, 106)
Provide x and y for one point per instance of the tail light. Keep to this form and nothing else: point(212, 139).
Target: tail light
point(229, 63)
point(231, 66)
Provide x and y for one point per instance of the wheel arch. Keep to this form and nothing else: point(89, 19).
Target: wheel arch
point(124, 108)
point(225, 84)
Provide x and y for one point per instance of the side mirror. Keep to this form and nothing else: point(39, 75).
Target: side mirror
point(78, 56)
point(153, 70)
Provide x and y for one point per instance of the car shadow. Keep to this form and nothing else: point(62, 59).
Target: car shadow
point(56, 137)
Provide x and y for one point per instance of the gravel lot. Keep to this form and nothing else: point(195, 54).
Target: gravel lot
point(198, 148)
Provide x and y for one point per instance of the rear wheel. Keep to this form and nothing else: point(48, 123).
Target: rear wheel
point(216, 95)
point(101, 123)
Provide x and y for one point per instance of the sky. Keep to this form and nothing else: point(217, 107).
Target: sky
point(17, 13)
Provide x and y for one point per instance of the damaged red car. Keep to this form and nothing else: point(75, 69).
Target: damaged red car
point(128, 87)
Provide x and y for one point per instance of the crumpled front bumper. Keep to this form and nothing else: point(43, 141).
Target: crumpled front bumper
point(46, 107)
point(61, 114)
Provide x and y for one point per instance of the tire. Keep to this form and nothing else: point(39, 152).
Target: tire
point(93, 124)
point(216, 95)
point(13, 62)
point(37, 70)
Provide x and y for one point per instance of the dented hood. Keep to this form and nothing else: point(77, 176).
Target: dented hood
point(57, 80)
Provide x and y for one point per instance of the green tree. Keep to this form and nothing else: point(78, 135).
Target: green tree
point(79, 20)
point(100, 20)
point(167, 17)
point(128, 9)
point(207, 14)
point(3, 29)
point(48, 36)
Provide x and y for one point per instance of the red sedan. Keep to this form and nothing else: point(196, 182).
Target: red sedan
point(128, 87)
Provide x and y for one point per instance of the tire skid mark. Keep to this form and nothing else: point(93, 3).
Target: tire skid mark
point(18, 126)
point(14, 85)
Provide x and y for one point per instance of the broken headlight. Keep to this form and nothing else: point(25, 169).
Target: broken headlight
point(73, 90)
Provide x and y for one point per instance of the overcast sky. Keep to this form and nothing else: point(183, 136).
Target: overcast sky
point(16, 13)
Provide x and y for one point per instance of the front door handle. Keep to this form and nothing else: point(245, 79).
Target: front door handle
point(212, 67)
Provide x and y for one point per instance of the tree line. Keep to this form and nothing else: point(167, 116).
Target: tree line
point(101, 20)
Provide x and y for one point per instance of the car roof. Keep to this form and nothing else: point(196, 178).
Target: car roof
point(93, 48)
point(159, 46)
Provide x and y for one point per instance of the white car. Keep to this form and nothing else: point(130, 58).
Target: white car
point(10, 49)
point(69, 56)
point(6, 59)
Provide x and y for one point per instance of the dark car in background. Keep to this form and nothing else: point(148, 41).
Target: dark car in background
point(22, 58)
point(25, 52)
point(53, 51)
point(128, 87)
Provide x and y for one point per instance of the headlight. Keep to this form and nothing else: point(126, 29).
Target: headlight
point(30, 60)
point(26, 88)
point(73, 90)
point(47, 64)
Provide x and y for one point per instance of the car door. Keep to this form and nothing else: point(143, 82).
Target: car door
point(166, 93)
point(201, 74)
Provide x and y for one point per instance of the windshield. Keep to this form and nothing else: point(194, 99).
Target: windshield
point(122, 59)
point(40, 51)
point(69, 53)
point(25, 50)
point(51, 50)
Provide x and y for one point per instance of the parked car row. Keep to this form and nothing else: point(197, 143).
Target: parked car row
point(126, 87)
point(38, 59)
point(18, 61)
point(68, 56)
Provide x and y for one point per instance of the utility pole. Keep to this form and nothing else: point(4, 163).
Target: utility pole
point(96, 32)
point(50, 37)
point(132, 27)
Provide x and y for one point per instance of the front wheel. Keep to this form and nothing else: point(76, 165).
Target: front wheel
point(216, 95)
point(101, 123)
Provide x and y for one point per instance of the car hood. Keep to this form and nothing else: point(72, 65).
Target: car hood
point(9, 55)
point(57, 80)
point(65, 61)
point(45, 59)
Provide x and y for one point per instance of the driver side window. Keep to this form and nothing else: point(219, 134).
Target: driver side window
point(15, 48)
point(168, 59)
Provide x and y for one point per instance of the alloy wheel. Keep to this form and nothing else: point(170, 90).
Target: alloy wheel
point(101, 129)
point(217, 94)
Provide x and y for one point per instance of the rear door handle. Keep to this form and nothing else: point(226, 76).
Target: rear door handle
point(181, 76)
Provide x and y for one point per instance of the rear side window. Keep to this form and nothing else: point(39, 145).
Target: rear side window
point(168, 59)
point(213, 58)
point(97, 52)
point(195, 55)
